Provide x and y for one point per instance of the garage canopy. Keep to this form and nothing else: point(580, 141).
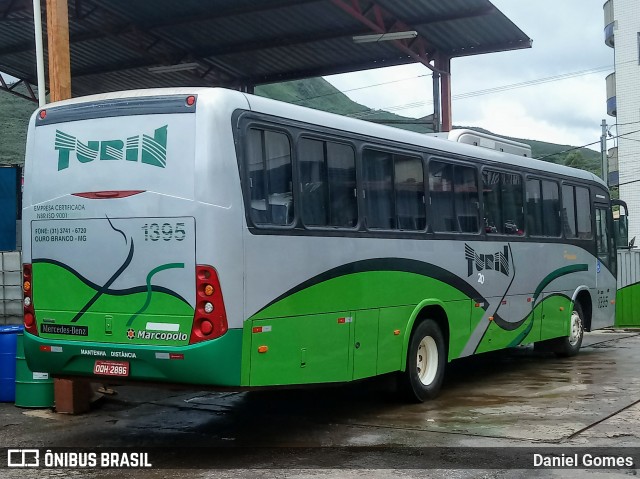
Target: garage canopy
point(125, 44)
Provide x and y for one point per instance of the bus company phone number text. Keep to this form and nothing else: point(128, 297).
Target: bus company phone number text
point(164, 232)
point(67, 235)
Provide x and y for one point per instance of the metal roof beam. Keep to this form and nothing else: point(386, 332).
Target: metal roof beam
point(11, 89)
point(381, 21)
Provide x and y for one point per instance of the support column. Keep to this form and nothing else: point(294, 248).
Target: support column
point(59, 57)
point(443, 64)
point(71, 397)
point(436, 101)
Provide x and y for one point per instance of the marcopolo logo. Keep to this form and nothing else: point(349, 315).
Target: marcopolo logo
point(151, 150)
point(498, 261)
point(156, 335)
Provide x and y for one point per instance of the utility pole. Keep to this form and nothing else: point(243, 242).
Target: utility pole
point(603, 152)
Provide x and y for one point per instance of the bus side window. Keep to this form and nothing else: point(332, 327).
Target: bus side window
point(503, 203)
point(551, 208)
point(543, 208)
point(603, 241)
point(569, 211)
point(270, 177)
point(453, 191)
point(583, 216)
point(394, 191)
point(327, 183)
point(409, 190)
point(441, 196)
point(465, 188)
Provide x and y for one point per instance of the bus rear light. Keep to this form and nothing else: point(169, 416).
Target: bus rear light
point(30, 324)
point(191, 100)
point(42, 114)
point(210, 317)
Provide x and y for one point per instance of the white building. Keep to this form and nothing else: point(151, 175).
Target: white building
point(622, 33)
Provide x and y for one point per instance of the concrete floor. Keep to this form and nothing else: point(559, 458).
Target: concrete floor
point(515, 398)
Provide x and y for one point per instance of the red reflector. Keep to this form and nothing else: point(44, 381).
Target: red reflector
point(257, 329)
point(478, 305)
point(206, 327)
point(176, 356)
point(504, 301)
point(43, 114)
point(528, 300)
point(46, 349)
point(191, 100)
point(101, 195)
point(341, 320)
point(29, 320)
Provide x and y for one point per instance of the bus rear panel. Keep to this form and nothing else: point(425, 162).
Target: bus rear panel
point(112, 285)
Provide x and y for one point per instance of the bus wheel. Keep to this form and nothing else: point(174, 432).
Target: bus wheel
point(570, 345)
point(426, 361)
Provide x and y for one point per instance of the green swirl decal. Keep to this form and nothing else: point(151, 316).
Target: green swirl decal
point(150, 289)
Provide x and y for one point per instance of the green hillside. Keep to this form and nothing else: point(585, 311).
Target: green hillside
point(313, 93)
point(14, 118)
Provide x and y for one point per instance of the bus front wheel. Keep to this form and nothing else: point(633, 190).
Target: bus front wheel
point(570, 345)
point(426, 361)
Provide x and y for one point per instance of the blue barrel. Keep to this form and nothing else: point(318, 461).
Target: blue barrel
point(8, 345)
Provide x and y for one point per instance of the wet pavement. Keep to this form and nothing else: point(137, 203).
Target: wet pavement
point(510, 398)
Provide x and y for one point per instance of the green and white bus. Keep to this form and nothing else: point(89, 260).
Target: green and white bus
point(214, 238)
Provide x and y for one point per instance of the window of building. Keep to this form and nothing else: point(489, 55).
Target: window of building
point(270, 177)
point(327, 175)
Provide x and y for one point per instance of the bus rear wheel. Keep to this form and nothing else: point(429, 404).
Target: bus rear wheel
point(426, 361)
point(570, 345)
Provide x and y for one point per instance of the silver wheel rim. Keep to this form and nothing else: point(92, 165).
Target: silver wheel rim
point(427, 360)
point(576, 328)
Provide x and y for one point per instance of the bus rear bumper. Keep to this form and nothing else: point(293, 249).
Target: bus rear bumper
point(214, 363)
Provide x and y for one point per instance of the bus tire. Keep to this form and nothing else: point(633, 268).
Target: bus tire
point(570, 345)
point(426, 360)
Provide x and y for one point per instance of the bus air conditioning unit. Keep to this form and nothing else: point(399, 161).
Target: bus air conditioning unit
point(492, 142)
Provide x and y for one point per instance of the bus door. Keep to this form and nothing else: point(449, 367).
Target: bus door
point(606, 265)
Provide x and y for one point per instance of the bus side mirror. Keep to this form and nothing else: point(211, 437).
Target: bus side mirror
point(621, 225)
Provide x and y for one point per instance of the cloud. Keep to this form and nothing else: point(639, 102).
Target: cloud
point(567, 37)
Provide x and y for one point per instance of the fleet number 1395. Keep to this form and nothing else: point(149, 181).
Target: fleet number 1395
point(164, 231)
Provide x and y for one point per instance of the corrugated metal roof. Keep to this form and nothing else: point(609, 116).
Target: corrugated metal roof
point(243, 42)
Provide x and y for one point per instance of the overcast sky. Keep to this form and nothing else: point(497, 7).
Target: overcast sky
point(568, 37)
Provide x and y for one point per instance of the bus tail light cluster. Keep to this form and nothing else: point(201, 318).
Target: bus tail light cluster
point(210, 317)
point(27, 289)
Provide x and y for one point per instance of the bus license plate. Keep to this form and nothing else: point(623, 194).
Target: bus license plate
point(111, 368)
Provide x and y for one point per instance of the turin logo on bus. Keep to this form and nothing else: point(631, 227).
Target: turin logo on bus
point(151, 150)
point(498, 261)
